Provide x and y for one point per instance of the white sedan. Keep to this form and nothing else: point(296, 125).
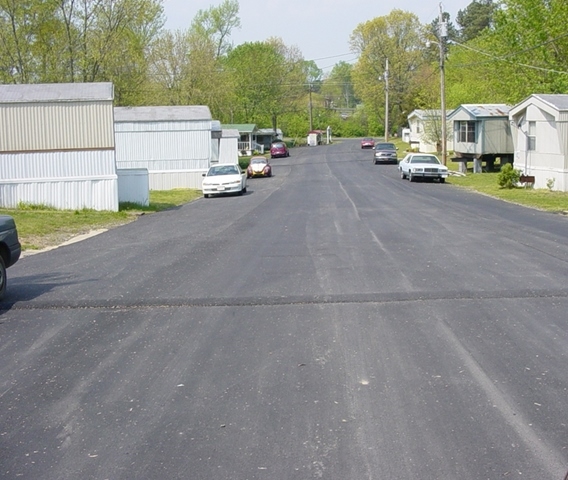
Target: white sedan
point(422, 165)
point(221, 179)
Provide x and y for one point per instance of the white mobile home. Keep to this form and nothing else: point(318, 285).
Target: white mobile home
point(540, 135)
point(172, 143)
point(57, 146)
point(482, 134)
point(425, 131)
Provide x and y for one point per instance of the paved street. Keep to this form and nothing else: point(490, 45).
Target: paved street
point(335, 322)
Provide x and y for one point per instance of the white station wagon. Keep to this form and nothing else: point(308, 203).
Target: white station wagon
point(422, 165)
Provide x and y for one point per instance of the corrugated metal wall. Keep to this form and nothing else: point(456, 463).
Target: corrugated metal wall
point(175, 153)
point(159, 147)
point(562, 128)
point(56, 126)
point(134, 186)
point(497, 136)
point(228, 150)
point(176, 179)
point(64, 180)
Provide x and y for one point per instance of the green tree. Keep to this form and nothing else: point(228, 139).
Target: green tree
point(337, 87)
point(398, 38)
point(268, 80)
point(84, 41)
point(28, 33)
point(523, 52)
point(475, 18)
point(312, 73)
point(296, 75)
point(217, 23)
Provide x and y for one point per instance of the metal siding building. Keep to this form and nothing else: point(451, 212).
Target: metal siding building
point(229, 146)
point(544, 119)
point(173, 143)
point(57, 146)
point(492, 134)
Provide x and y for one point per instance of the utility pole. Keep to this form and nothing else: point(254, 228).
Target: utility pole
point(311, 115)
point(443, 33)
point(387, 100)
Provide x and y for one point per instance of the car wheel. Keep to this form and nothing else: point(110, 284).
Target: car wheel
point(3, 278)
point(442, 180)
point(411, 178)
point(205, 195)
point(402, 175)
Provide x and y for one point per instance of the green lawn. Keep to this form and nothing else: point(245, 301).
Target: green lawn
point(487, 183)
point(40, 227)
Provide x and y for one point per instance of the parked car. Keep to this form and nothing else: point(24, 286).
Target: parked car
point(385, 152)
point(221, 179)
point(422, 165)
point(279, 149)
point(259, 167)
point(368, 142)
point(10, 249)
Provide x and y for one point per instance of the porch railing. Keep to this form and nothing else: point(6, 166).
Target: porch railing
point(250, 147)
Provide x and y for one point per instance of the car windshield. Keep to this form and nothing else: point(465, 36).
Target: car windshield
point(277, 145)
point(258, 161)
point(385, 146)
point(223, 170)
point(425, 159)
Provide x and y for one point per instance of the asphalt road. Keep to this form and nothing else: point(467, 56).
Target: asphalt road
point(335, 322)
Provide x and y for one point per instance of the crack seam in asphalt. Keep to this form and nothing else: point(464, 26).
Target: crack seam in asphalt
point(282, 301)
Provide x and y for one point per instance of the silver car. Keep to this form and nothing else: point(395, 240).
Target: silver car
point(385, 152)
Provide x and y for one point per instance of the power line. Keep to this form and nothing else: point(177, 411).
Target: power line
point(514, 54)
point(332, 56)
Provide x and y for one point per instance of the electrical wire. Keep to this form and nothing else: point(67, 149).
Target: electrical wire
point(505, 58)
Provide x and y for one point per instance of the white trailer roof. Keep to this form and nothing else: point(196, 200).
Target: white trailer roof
point(162, 114)
point(560, 101)
point(56, 92)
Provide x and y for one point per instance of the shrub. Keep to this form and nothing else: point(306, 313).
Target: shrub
point(508, 176)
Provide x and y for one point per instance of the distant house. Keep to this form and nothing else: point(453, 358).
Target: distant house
point(423, 125)
point(57, 146)
point(248, 143)
point(540, 135)
point(173, 143)
point(266, 136)
point(481, 134)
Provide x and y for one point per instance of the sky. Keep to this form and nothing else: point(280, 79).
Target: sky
point(320, 29)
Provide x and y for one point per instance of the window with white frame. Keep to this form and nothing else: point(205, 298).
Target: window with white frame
point(466, 131)
point(531, 137)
